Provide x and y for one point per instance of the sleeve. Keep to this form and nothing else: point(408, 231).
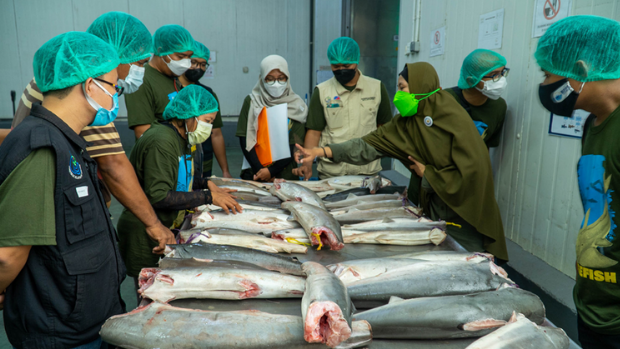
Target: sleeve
point(250, 156)
point(31, 94)
point(242, 123)
point(297, 133)
point(161, 166)
point(280, 165)
point(34, 177)
point(493, 140)
point(218, 123)
point(104, 140)
point(354, 151)
point(140, 106)
point(180, 200)
point(316, 115)
point(384, 114)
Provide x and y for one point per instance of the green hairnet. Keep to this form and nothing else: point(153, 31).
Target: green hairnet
point(584, 48)
point(201, 51)
point(172, 38)
point(478, 64)
point(125, 33)
point(191, 102)
point(343, 50)
point(70, 59)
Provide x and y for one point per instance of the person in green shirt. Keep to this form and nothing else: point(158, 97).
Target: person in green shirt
point(482, 81)
point(580, 59)
point(164, 162)
point(173, 46)
point(215, 143)
point(347, 106)
point(273, 88)
point(435, 137)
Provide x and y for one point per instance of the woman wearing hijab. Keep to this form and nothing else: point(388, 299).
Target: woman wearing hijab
point(273, 88)
point(435, 138)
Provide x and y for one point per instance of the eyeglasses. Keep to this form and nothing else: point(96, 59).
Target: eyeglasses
point(279, 80)
point(118, 89)
point(203, 66)
point(497, 76)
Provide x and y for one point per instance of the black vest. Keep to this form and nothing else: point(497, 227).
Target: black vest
point(64, 293)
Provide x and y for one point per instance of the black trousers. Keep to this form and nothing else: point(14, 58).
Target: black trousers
point(592, 340)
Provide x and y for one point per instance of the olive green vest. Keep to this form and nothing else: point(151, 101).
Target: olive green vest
point(353, 114)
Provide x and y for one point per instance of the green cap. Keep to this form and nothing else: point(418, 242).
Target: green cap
point(343, 50)
point(70, 59)
point(172, 38)
point(192, 101)
point(125, 33)
point(584, 48)
point(478, 64)
point(201, 51)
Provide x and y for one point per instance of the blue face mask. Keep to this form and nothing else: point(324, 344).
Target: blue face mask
point(103, 116)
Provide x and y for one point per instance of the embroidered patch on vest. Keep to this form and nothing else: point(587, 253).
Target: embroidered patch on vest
point(428, 121)
point(75, 169)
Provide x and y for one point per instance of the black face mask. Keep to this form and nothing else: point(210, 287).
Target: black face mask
point(559, 97)
point(344, 75)
point(194, 75)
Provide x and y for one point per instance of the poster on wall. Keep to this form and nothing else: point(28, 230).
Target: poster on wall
point(212, 57)
point(568, 126)
point(547, 12)
point(438, 41)
point(490, 30)
point(210, 72)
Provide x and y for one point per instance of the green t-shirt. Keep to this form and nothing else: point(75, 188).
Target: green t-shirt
point(597, 291)
point(316, 115)
point(492, 113)
point(147, 105)
point(155, 158)
point(34, 177)
point(296, 134)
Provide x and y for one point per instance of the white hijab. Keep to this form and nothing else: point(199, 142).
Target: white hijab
point(297, 109)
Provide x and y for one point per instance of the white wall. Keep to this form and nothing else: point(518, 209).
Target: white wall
point(327, 27)
point(535, 173)
point(242, 32)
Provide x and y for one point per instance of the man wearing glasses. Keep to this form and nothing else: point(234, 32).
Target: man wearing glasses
point(134, 46)
point(215, 143)
point(482, 81)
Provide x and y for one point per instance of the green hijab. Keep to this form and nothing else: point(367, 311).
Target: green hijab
point(458, 167)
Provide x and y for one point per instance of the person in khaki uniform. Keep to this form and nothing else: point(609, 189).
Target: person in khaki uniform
point(347, 106)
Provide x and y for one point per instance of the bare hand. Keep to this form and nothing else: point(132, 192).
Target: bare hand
point(226, 175)
point(304, 170)
point(263, 175)
point(306, 156)
point(162, 235)
point(226, 201)
point(417, 167)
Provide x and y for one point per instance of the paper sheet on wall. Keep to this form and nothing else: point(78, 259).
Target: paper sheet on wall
point(210, 72)
point(438, 41)
point(212, 57)
point(490, 30)
point(277, 119)
point(568, 126)
point(547, 12)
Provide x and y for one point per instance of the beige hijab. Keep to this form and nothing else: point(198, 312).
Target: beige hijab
point(297, 109)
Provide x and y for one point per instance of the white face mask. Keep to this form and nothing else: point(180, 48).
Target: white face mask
point(276, 90)
point(494, 89)
point(200, 134)
point(133, 80)
point(179, 67)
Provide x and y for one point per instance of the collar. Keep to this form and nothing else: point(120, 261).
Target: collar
point(360, 85)
point(40, 112)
